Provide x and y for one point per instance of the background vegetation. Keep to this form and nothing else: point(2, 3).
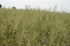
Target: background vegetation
point(34, 28)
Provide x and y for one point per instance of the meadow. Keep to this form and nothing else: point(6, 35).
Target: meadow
point(30, 27)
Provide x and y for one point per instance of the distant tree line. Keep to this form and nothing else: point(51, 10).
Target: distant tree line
point(12, 7)
point(0, 6)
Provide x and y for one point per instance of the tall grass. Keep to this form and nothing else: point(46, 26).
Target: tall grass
point(34, 28)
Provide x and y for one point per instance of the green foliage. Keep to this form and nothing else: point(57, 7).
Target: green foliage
point(13, 7)
point(0, 6)
point(34, 28)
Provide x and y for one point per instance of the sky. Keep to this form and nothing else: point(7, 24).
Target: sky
point(42, 4)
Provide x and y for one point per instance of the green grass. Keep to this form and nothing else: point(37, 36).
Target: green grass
point(34, 28)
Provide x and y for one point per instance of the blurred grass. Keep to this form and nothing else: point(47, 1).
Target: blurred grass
point(34, 28)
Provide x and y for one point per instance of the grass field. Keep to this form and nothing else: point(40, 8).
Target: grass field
point(34, 28)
